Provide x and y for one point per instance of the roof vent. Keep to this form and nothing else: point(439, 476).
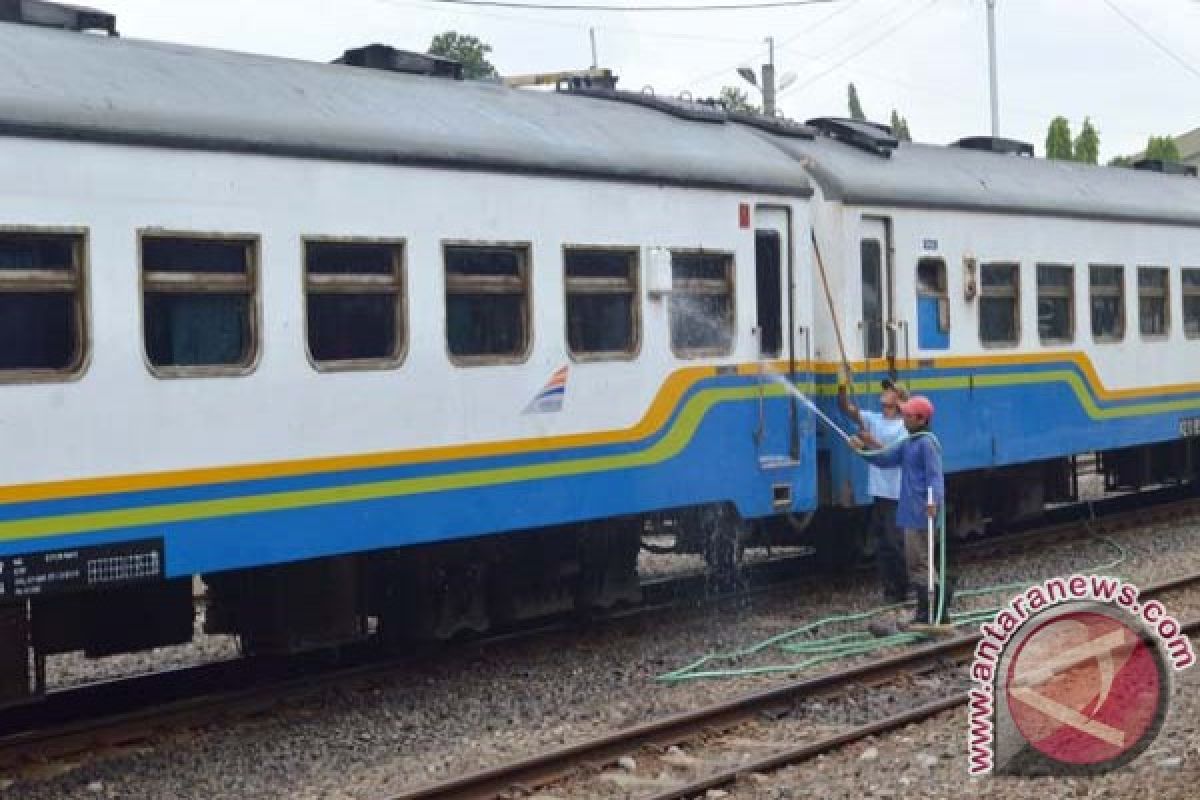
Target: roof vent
point(389, 59)
point(57, 15)
point(1165, 167)
point(996, 144)
point(870, 136)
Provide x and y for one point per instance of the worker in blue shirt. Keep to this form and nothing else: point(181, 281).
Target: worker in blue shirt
point(919, 457)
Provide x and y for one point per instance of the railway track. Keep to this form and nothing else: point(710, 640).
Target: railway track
point(126, 711)
point(570, 771)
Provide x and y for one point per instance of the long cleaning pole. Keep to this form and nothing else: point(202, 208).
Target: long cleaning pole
point(837, 328)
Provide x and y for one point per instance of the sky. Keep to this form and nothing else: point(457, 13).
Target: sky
point(925, 58)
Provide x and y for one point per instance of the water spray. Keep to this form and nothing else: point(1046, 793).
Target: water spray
point(803, 398)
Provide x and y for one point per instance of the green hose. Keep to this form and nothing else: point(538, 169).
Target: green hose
point(831, 648)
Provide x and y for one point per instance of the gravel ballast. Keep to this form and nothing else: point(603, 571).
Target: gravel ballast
point(482, 706)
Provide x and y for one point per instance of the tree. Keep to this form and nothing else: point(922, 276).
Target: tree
point(1162, 148)
point(1087, 143)
point(735, 99)
point(1058, 140)
point(900, 127)
point(1158, 148)
point(856, 111)
point(467, 50)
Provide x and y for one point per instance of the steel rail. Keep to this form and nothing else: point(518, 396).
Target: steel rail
point(810, 751)
point(68, 720)
point(547, 768)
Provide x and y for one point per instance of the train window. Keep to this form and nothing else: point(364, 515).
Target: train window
point(701, 303)
point(933, 305)
point(1191, 303)
point(602, 312)
point(354, 296)
point(871, 254)
point(1056, 303)
point(1108, 302)
point(768, 278)
point(199, 303)
point(999, 305)
point(487, 303)
point(42, 307)
point(1153, 301)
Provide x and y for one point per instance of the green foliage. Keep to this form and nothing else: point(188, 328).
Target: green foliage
point(1087, 143)
point(900, 127)
point(856, 110)
point(735, 99)
point(1162, 148)
point(470, 51)
point(1058, 140)
point(1158, 148)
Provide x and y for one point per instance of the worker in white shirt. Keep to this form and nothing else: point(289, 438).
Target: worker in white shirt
point(877, 430)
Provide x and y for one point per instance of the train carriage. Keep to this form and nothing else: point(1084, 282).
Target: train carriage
point(353, 344)
point(1048, 308)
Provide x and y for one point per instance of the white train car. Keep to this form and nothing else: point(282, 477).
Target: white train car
point(352, 343)
point(1048, 308)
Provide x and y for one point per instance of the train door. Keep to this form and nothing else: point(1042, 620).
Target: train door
point(876, 342)
point(774, 281)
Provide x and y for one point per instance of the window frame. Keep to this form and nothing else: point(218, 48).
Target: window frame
point(1166, 300)
point(1059, 293)
point(984, 292)
point(1184, 293)
point(881, 319)
point(13, 282)
point(481, 286)
point(704, 286)
point(338, 284)
point(1106, 292)
point(942, 296)
point(253, 282)
point(635, 295)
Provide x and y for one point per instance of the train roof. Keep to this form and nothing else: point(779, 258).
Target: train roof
point(931, 176)
point(76, 86)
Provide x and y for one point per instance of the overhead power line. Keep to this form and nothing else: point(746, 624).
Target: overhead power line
point(891, 30)
point(1152, 39)
point(843, 7)
point(743, 6)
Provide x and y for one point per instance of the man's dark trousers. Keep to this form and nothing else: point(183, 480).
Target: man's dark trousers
point(889, 550)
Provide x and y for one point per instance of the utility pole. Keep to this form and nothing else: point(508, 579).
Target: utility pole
point(592, 36)
point(768, 79)
point(768, 86)
point(991, 26)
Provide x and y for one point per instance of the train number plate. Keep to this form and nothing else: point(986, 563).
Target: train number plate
point(1189, 426)
point(77, 568)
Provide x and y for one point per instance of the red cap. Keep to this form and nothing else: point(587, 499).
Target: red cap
point(918, 405)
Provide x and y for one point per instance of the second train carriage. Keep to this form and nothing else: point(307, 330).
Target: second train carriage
point(1048, 308)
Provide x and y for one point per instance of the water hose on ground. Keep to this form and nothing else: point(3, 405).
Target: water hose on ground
point(822, 650)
